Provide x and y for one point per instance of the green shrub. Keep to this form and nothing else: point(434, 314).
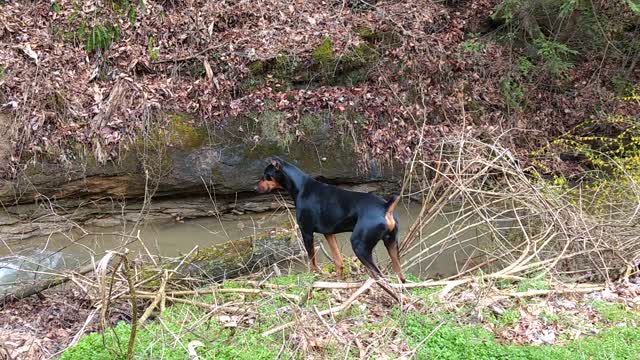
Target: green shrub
point(472, 46)
point(100, 37)
point(556, 57)
point(524, 66)
point(609, 148)
point(512, 93)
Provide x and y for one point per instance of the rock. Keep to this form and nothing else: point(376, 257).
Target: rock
point(188, 168)
point(5, 146)
point(188, 164)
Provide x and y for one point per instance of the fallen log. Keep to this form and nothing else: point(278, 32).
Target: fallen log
point(237, 257)
point(40, 286)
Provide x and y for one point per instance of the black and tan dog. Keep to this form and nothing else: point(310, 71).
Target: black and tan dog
point(329, 210)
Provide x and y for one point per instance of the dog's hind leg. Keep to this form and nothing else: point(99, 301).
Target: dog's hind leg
point(363, 241)
point(391, 243)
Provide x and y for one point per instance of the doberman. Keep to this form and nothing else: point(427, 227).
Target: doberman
point(327, 209)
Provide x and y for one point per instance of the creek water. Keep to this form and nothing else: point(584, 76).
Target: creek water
point(22, 260)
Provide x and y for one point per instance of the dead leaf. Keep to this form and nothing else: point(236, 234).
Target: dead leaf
point(191, 348)
point(208, 69)
point(229, 321)
point(30, 53)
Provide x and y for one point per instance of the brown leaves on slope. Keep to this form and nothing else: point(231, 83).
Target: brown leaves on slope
point(194, 57)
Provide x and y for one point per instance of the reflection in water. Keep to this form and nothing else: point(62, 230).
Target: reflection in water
point(30, 264)
point(67, 250)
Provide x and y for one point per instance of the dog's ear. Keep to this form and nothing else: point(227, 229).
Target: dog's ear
point(277, 163)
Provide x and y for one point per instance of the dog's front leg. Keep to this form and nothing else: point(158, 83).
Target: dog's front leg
point(311, 251)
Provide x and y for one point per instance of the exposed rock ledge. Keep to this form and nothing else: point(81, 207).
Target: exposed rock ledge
point(180, 159)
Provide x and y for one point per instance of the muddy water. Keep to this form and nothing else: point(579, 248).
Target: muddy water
point(67, 250)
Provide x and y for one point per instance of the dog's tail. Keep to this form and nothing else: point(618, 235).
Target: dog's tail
point(390, 206)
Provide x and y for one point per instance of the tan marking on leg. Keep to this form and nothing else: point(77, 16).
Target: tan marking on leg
point(313, 263)
point(335, 253)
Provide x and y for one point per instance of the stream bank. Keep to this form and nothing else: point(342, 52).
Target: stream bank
point(188, 171)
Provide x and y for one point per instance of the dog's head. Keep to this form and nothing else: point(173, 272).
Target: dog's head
point(273, 177)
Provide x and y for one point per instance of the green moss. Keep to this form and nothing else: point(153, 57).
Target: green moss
point(241, 247)
point(152, 149)
point(152, 50)
point(285, 66)
point(184, 135)
point(385, 39)
point(232, 254)
point(271, 123)
point(178, 132)
point(304, 155)
point(363, 54)
point(262, 150)
point(324, 67)
point(366, 33)
point(57, 101)
point(128, 161)
point(323, 55)
point(257, 67)
point(310, 123)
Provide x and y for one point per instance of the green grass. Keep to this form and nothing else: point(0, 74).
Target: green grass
point(509, 317)
point(536, 283)
point(549, 318)
point(428, 295)
point(452, 341)
point(434, 332)
point(615, 313)
point(169, 338)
